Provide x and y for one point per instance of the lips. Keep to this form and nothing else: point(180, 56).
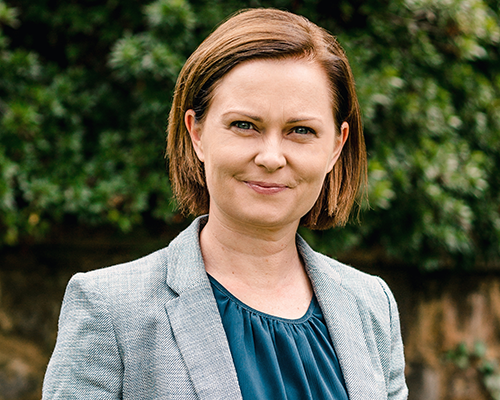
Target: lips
point(266, 187)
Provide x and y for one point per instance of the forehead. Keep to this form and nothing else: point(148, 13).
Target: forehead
point(264, 83)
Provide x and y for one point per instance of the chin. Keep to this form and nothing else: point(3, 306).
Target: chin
point(269, 221)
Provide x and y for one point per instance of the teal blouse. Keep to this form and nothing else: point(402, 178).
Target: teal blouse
point(277, 358)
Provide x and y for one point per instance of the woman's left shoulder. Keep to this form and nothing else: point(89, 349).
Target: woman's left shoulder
point(362, 285)
point(367, 289)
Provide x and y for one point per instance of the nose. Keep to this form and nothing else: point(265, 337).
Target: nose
point(270, 154)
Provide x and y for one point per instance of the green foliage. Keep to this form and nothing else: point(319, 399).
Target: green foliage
point(85, 93)
point(428, 82)
point(74, 144)
point(476, 357)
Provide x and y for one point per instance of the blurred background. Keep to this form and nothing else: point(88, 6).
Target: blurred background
point(85, 90)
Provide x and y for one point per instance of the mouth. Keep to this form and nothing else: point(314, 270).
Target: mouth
point(266, 187)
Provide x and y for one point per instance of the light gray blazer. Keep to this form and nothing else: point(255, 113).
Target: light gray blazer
point(150, 329)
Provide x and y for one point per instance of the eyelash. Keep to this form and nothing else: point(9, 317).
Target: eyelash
point(309, 130)
point(238, 123)
point(249, 125)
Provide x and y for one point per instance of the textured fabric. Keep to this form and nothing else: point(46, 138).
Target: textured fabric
point(277, 358)
point(151, 329)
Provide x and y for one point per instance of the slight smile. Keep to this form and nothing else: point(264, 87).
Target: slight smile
point(266, 187)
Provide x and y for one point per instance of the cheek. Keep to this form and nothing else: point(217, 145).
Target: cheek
point(217, 169)
point(318, 166)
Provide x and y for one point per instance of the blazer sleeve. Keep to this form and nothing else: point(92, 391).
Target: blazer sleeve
point(395, 368)
point(86, 362)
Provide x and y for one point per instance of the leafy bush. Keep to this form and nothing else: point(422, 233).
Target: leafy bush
point(85, 93)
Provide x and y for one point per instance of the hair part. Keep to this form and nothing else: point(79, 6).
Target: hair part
point(267, 34)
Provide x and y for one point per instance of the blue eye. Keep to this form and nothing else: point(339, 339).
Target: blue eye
point(302, 130)
point(242, 125)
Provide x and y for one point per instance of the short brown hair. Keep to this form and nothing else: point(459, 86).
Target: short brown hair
point(266, 34)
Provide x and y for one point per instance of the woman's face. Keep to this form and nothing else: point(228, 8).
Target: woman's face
point(267, 142)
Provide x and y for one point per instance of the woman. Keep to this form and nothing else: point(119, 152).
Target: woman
point(264, 135)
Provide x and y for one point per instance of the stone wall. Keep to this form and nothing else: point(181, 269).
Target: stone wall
point(451, 331)
point(452, 338)
point(450, 321)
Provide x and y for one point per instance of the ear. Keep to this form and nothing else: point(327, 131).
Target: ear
point(194, 128)
point(339, 144)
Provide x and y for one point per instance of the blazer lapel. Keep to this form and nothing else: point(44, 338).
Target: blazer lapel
point(363, 375)
point(202, 342)
point(196, 322)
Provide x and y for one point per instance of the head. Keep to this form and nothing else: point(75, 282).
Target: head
point(267, 34)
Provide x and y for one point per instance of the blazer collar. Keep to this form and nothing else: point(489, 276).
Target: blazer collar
point(186, 269)
point(195, 319)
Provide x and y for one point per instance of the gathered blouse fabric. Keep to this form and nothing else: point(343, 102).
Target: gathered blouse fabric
point(278, 358)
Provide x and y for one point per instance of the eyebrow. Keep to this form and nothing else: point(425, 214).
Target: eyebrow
point(258, 119)
point(244, 114)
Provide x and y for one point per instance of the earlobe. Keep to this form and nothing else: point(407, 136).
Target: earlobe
point(194, 129)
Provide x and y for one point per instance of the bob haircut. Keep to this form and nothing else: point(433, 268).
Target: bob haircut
point(267, 34)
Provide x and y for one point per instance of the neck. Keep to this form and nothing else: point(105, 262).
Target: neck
point(261, 267)
point(265, 258)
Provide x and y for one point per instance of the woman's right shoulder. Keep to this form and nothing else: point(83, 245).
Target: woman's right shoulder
point(132, 279)
point(145, 276)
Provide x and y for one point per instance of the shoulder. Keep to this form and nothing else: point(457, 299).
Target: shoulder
point(127, 275)
point(180, 261)
point(369, 291)
point(365, 287)
point(120, 289)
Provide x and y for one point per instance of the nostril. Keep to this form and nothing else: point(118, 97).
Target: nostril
point(271, 161)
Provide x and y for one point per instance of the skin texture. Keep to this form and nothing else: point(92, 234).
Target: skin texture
point(267, 142)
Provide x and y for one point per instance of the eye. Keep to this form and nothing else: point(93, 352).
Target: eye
point(303, 130)
point(242, 125)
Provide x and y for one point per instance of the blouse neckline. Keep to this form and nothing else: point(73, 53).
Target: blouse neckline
point(294, 321)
